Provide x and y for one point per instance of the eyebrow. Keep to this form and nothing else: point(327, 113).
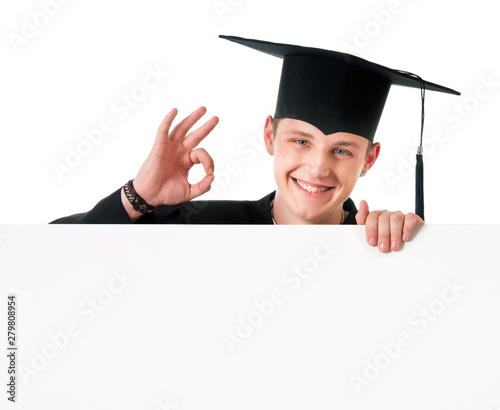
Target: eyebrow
point(341, 143)
point(299, 132)
point(348, 144)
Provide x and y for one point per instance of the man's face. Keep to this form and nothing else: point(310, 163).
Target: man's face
point(315, 173)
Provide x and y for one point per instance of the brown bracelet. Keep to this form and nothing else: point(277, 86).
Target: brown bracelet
point(136, 200)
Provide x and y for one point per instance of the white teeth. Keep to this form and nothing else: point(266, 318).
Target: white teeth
point(312, 189)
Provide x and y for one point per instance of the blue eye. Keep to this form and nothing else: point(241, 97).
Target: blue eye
point(340, 151)
point(301, 142)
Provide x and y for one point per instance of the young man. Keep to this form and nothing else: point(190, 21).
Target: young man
point(328, 109)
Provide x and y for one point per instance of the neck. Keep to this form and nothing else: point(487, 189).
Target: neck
point(283, 216)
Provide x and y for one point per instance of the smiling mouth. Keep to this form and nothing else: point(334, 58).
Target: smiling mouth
point(311, 188)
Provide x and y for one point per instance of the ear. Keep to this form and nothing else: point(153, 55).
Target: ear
point(268, 135)
point(372, 157)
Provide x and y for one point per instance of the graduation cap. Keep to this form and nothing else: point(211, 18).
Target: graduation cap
point(339, 92)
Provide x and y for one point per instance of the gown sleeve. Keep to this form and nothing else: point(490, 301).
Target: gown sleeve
point(107, 211)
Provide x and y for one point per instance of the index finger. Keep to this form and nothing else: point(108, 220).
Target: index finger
point(193, 139)
point(165, 125)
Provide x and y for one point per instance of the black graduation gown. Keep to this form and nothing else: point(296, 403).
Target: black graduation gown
point(110, 211)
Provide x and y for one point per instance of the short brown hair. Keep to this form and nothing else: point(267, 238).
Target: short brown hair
point(276, 121)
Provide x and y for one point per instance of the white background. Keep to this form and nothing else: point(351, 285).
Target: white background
point(65, 78)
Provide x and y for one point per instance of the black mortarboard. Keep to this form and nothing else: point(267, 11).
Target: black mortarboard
point(337, 92)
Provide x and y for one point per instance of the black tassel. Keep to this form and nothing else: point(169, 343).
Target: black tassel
point(419, 186)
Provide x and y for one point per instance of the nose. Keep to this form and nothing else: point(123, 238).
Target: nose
point(318, 163)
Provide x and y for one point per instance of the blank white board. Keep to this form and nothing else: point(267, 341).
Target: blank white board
point(250, 317)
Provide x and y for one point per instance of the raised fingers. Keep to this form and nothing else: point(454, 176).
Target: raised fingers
point(181, 129)
point(193, 139)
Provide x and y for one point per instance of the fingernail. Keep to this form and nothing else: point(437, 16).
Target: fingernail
point(383, 247)
point(372, 241)
point(405, 237)
point(393, 245)
point(210, 170)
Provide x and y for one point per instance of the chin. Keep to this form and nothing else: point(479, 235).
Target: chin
point(314, 211)
point(309, 215)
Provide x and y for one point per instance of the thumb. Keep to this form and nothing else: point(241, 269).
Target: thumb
point(362, 213)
